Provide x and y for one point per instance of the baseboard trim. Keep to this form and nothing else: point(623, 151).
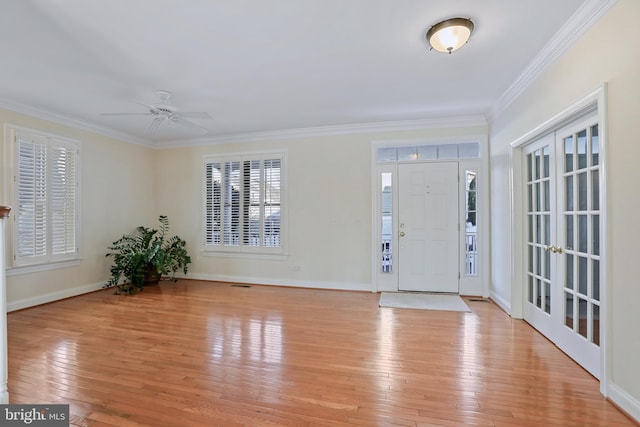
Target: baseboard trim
point(501, 302)
point(53, 296)
point(625, 402)
point(315, 284)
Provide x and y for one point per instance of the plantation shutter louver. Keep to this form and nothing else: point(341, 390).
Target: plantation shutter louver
point(231, 216)
point(271, 213)
point(213, 218)
point(63, 201)
point(31, 214)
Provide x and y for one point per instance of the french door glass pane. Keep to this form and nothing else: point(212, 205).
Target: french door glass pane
point(547, 265)
point(569, 271)
point(568, 154)
point(583, 307)
point(568, 318)
point(595, 190)
point(595, 235)
point(595, 149)
point(569, 193)
point(547, 229)
point(595, 275)
point(582, 191)
point(545, 162)
point(582, 233)
point(547, 196)
point(547, 297)
point(596, 325)
point(582, 275)
point(569, 231)
point(582, 149)
point(530, 289)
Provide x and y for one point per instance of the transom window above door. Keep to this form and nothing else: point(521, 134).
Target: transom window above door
point(409, 153)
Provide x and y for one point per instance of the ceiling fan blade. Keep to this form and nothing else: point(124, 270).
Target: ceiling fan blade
point(187, 123)
point(153, 126)
point(194, 115)
point(126, 114)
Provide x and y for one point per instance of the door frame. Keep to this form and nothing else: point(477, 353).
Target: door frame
point(473, 286)
point(593, 101)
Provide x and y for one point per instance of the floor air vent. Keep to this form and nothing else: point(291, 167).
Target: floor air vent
point(240, 286)
point(478, 300)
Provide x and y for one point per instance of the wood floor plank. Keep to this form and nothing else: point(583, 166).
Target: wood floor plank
point(199, 353)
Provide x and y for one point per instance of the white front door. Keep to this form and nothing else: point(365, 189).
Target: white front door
point(428, 227)
point(562, 299)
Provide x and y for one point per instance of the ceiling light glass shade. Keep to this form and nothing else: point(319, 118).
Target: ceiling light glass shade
point(450, 35)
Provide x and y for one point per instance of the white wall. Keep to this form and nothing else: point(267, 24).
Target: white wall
point(117, 194)
point(330, 210)
point(608, 52)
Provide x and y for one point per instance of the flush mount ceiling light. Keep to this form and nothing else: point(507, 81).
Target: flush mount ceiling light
point(450, 35)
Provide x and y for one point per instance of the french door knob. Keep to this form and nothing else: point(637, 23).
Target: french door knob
point(553, 248)
point(402, 234)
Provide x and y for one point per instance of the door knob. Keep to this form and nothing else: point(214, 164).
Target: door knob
point(402, 234)
point(553, 248)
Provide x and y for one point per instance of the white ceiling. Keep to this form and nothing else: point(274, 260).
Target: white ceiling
point(263, 66)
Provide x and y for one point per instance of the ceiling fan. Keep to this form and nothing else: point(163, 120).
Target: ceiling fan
point(163, 111)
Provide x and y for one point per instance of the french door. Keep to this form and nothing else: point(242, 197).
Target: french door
point(563, 228)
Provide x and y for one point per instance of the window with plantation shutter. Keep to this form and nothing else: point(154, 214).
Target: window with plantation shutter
point(45, 198)
point(243, 203)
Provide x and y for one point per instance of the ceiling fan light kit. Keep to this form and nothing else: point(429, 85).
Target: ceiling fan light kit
point(163, 111)
point(450, 35)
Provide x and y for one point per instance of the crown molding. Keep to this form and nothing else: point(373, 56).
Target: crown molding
point(391, 126)
point(67, 121)
point(587, 15)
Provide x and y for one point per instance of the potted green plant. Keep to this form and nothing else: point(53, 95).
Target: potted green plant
point(145, 256)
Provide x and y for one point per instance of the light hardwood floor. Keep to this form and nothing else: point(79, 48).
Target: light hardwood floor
point(211, 354)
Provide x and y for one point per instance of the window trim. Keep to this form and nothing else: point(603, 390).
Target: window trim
point(49, 261)
point(245, 251)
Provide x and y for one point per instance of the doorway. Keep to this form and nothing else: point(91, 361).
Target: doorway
point(430, 217)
